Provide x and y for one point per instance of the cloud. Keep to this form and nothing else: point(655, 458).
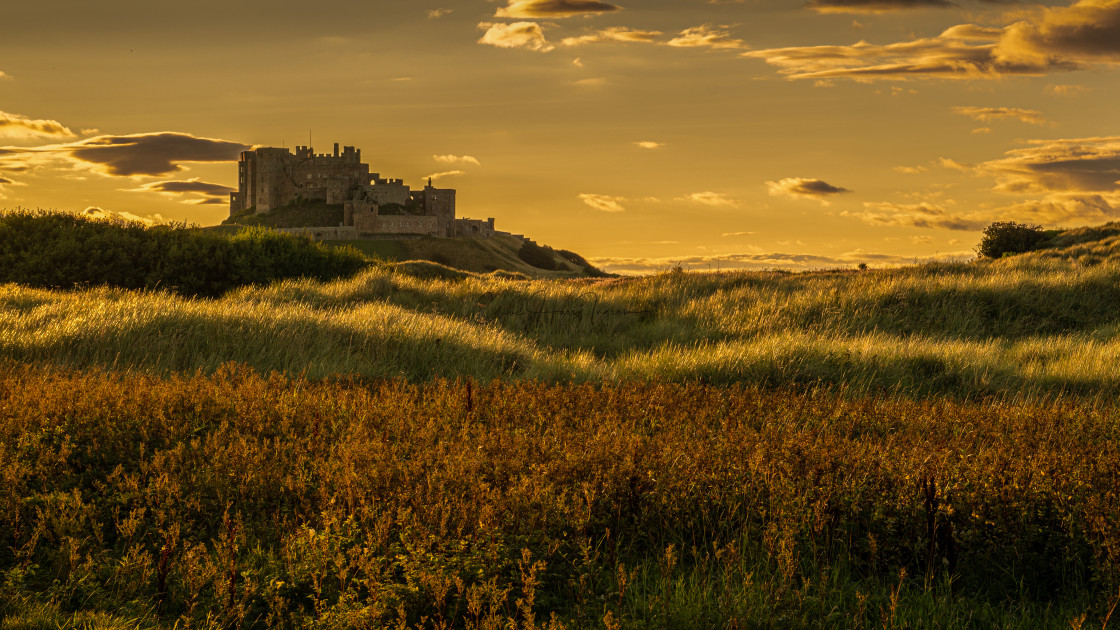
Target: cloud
point(451, 159)
point(726, 234)
point(873, 6)
point(985, 114)
point(1046, 40)
point(604, 203)
point(592, 82)
point(709, 198)
point(1079, 165)
point(109, 215)
point(435, 176)
point(766, 260)
point(435, 14)
point(1067, 90)
point(802, 188)
point(613, 34)
point(207, 193)
point(149, 154)
point(649, 144)
point(553, 8)
point(706, 36)
point(921, 215)
point(910, 170)
point(17, 126)
point(1084, 32)
point(516, 35)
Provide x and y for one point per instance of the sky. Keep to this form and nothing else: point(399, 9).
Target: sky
point(643, 134)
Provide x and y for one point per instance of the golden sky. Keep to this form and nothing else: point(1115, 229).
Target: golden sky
point(639, 133)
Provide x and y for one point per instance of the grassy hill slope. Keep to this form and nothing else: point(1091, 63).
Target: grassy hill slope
point(1042, 323)
point(499, 253)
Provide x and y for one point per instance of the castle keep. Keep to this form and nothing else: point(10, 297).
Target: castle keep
point(270, 178)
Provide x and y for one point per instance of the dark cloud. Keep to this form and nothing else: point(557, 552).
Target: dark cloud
point(154, 153)
point(201, 192)
point(920, 215)
point(801, 188)
point(149, 154)
point(4, 180)
point(553, 8)
point(873, 6)
point(1046, 40)
point(1076, 165)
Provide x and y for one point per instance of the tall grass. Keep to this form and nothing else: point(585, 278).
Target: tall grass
point(1031, 326)
point(239, 500)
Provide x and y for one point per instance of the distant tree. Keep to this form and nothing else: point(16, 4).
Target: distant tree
point(1008, 237)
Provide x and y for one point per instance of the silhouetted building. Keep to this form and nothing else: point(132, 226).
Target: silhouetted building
point(270, 178)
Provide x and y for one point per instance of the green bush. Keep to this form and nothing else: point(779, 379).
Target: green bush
point(1008, 237)
point(537, 256)
point(59, 250)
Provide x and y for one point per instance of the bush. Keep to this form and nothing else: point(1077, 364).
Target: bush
point(62, 251)
point(1008, 237)
point(537, 256)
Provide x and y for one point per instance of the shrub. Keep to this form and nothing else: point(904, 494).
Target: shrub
point(537, 256)
point(1008, 237)
point(59, 250)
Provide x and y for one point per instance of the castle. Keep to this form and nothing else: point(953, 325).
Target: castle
point(270, 178)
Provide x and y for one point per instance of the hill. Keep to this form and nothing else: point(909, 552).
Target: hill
point(503, 252)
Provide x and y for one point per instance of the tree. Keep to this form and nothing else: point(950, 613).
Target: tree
point(1008, 237)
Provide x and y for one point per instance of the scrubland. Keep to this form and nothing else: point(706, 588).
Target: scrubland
point(933, 446)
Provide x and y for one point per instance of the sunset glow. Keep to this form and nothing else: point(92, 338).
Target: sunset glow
point(642, 134)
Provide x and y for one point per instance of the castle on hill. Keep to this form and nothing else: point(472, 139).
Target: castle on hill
point(270, 178)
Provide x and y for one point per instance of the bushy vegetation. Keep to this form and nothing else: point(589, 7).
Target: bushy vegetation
point(1007, 237)
point(236, 500)
point(932, 446)
point(536, 255)
point(59, 250)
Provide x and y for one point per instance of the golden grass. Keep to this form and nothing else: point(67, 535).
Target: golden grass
point(1031, 325)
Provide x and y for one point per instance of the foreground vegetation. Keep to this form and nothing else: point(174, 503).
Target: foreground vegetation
point(236, 500)
point(1039, 324)
point(933, 446)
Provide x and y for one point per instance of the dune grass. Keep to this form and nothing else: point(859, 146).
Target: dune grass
point(1032, 325)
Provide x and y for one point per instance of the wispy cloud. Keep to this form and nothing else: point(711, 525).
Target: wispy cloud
point(766, 260)
point(706, 36)
point(529, 35)
point(649, 144)
point(110, 215)
point(986, 114)
point(613, 34)
point(803, 188)
point(452, 159)
point(709, 198)
point(553, 8)
point(436, 176)
point(921, 215)
point(435, 14)
point(18, 126)
point(605, 203)
point(874, 6)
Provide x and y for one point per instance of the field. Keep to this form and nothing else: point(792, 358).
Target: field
point(413, 446)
